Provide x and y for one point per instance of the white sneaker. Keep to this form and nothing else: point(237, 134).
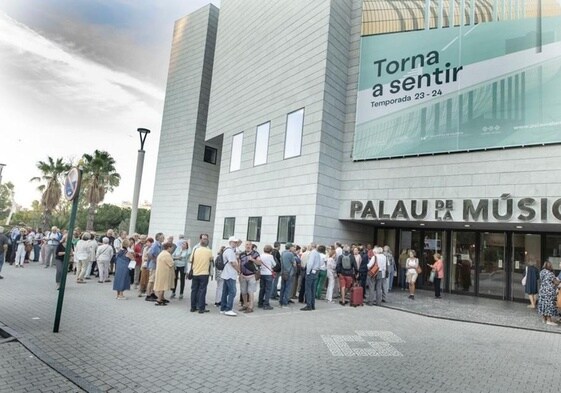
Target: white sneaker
point(551, 323)
point(222, 312)
point(230, 313)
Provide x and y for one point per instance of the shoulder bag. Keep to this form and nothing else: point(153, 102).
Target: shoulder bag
point(523, 282)
point(190, 274)
point(373, 271)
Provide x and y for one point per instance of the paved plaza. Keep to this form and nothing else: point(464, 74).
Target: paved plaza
point(131, 346)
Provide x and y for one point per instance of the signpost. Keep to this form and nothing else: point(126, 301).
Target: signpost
point(72, 193)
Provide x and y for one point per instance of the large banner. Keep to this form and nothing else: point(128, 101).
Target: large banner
point(435, 78)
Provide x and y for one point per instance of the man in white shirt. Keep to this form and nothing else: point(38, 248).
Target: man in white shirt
point(381, 282)
point(230, 276)
point(53, 239)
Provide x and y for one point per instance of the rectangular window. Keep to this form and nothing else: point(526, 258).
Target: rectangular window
point(285, 231)
point(254, 229)
point(204, 213)
point(293, 137)
point(229, 225)
point(262, 144)
point(236, 157)
point(210, 155)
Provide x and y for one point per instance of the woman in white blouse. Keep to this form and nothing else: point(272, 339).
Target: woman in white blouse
point(412, 264)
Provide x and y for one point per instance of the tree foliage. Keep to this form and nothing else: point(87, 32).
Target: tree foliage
point(52, 172)
point(99, 178)
point(6, 190)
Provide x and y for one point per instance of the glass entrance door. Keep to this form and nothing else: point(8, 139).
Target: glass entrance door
point(433, 242)
point(492, 265)
point(526, 251)
point(411, 240)
point(462, 268)
point(408, 240)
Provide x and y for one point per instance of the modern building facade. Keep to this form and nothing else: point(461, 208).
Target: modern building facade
point(428, 124)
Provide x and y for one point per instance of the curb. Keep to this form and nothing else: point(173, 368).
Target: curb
point(396, 308)
point(70, 375)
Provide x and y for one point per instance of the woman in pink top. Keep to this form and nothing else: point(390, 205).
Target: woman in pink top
point(438, 269)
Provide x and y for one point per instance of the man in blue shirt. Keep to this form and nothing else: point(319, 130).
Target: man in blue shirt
point(312, 268)
point(288, 269)
point(152, 257)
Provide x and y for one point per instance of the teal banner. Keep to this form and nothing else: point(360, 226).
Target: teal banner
point(449, 89)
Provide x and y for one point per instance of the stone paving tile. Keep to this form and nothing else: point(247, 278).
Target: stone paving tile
point(132, 345)
point(469, 308)
point(21, 371)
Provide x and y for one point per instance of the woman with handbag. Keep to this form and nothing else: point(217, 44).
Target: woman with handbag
point(412, 265)
point(437, 274)
point(548, 294)
point(122, 281)
point(530, 283)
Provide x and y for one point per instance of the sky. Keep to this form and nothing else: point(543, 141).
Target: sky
point(81, 75)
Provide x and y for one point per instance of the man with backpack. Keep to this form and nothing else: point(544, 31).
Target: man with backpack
point(346, 272)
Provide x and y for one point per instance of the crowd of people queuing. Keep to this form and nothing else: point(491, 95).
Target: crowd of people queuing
point(156, 265)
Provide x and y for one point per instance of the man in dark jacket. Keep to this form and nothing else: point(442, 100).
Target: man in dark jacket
point(277, 257)
point(363, 271)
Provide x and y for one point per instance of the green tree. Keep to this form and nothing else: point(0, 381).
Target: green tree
point(52, 173)
point(6, 190)
point(142, 220)
point(108, 216)
point(32, 217)
point(99, 178)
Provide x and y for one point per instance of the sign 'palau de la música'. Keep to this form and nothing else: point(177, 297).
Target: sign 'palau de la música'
point(503, 209)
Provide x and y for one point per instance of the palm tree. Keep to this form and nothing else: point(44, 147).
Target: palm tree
point(99, 177)
point(52, 173)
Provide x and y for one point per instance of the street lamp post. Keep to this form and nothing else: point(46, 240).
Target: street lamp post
point(143, 132)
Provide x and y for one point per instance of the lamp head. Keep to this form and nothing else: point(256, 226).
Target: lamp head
point(143, 132)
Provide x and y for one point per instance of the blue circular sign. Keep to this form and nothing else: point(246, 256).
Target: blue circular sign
point(71, 184)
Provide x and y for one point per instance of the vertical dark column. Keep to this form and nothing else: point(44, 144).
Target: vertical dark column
point(448, 258)
point(509, 266)
point(516, 97)
point(494, 100)
point(470, 105)
point(539, 27)
point(423, 122)
point(523, 96)
point(502, 107)
point(436, 119)
point(478, 236)
point(509, 99)
point(460, 111)
point(448, 115)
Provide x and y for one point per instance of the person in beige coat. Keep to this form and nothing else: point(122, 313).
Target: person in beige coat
point(165, 274)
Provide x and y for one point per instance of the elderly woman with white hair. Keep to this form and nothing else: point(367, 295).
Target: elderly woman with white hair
point(104, 254)
point(82, 257)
